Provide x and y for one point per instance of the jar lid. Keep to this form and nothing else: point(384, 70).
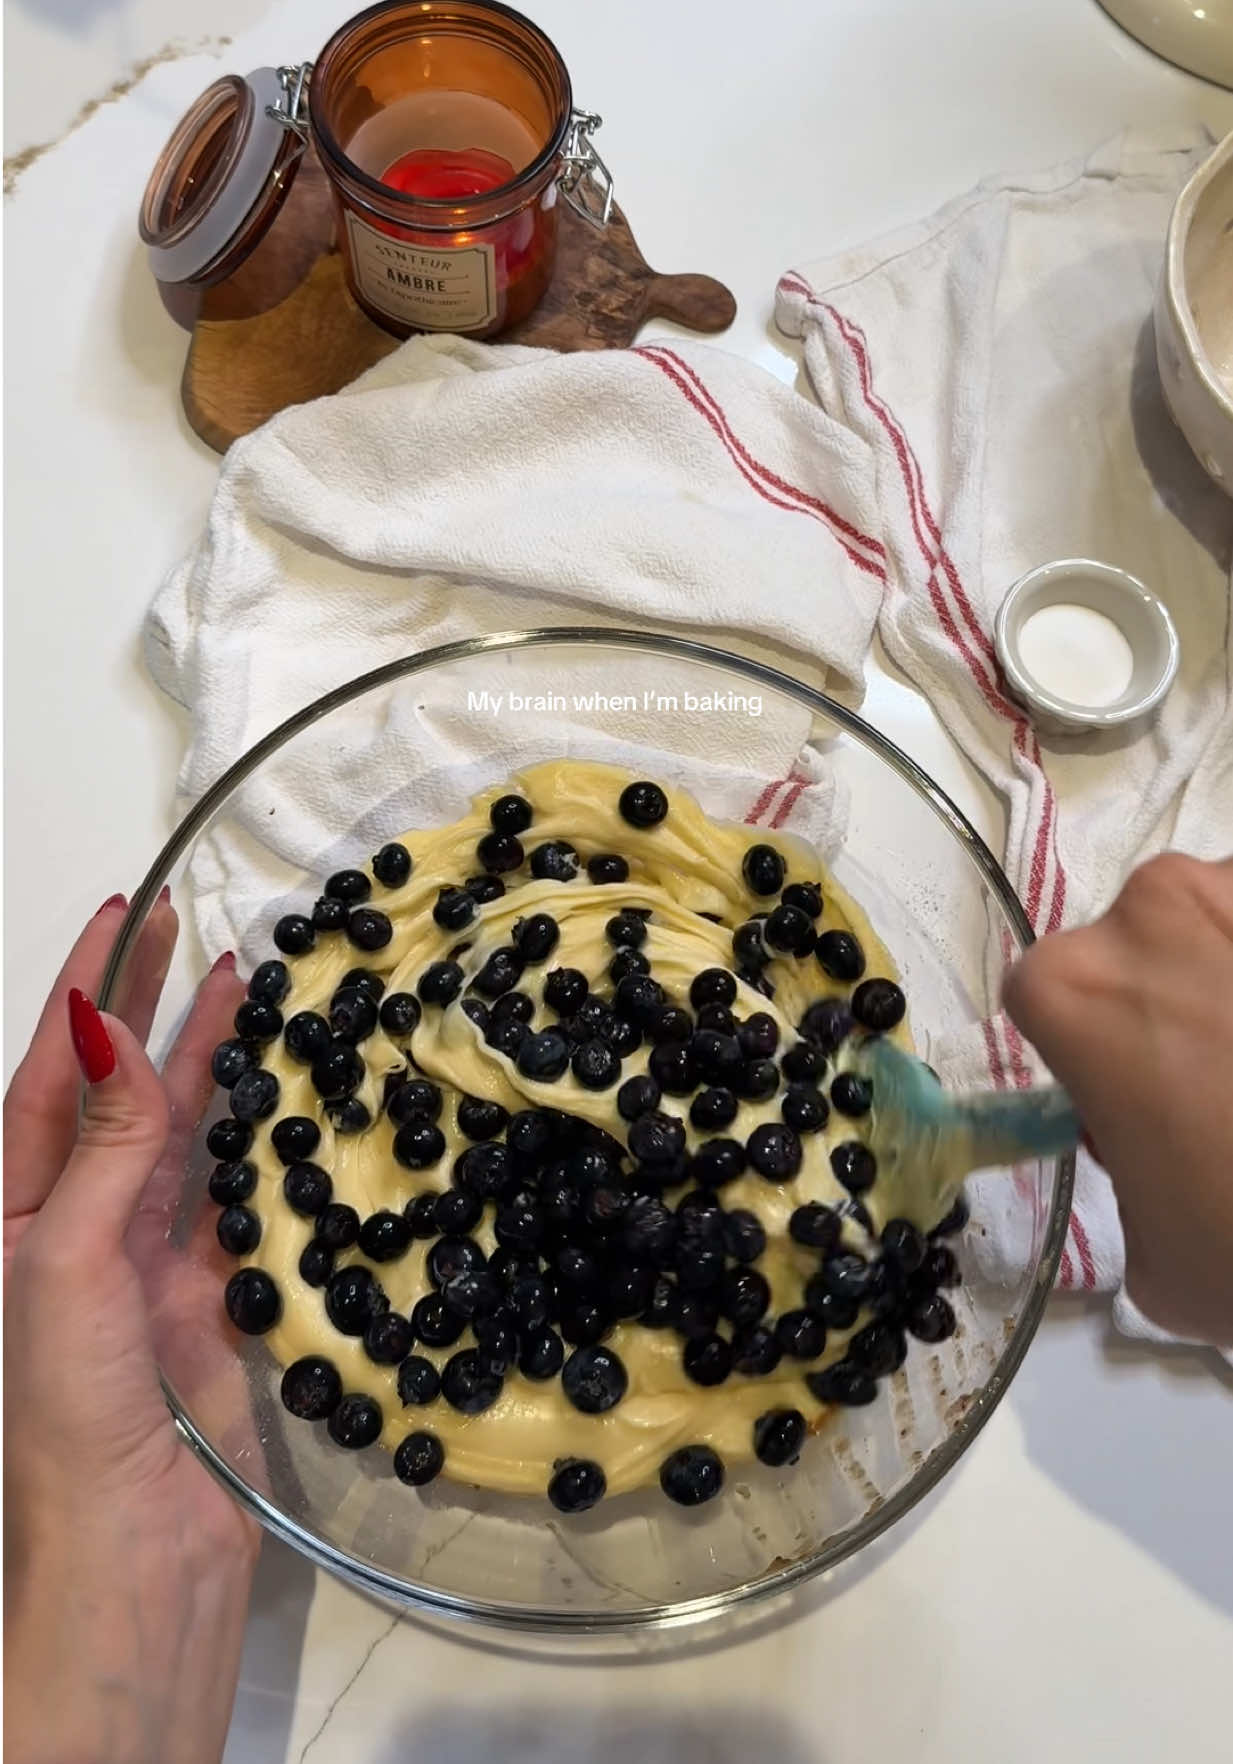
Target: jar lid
point(214, 170)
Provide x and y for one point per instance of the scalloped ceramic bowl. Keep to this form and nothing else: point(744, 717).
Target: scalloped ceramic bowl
point(935, 894)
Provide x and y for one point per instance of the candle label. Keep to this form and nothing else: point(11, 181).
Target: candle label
point(434, 288)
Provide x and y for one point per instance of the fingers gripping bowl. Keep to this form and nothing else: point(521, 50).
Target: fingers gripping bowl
point(408, 748)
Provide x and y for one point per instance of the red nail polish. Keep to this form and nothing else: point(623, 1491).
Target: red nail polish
point(113, 900)
point(225, 963)
point(164, 893)
point(95, 1054)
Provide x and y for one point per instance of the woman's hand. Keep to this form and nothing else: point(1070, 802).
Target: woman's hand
point(1135, 1016)
point(128, 1568)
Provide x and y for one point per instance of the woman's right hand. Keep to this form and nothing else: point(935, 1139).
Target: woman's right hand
point(1134, 1015)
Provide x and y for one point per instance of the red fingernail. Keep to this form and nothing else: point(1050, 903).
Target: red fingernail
point(95, 1054)
point(164, 892)
point(226, 961)
point(113, 900)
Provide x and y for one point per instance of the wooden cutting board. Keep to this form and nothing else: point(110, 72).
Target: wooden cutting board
point(242, 371)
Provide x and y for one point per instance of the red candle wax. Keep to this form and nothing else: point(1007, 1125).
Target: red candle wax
point(448, 173)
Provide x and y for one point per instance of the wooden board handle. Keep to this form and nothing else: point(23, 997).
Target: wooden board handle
point(700, 303)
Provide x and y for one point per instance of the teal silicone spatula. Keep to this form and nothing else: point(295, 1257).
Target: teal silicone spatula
point(930, 1138)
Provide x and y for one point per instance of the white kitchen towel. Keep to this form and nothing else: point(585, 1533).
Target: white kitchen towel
point(998, 361)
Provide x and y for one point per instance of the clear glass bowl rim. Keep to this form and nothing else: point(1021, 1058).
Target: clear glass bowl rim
point(390, 1588)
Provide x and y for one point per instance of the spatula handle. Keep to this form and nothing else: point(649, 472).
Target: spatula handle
point(1009, 1125)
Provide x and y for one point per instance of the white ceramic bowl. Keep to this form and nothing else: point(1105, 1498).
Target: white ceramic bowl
point(1194, 315)
point(1142, 619)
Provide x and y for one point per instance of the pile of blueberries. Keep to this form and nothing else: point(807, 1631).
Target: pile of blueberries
point(589, 1232)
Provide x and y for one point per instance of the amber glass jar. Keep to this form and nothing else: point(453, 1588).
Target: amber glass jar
point(394, 94)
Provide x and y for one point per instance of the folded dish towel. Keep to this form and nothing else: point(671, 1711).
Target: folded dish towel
point(998, 362)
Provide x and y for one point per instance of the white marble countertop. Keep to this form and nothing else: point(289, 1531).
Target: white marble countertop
point(1070, 1587)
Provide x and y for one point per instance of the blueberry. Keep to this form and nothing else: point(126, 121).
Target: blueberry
point(473, 1294)
point(480, 1119)
point(672, 1067)
point(554, 861)
point(307, 1189)
point(516, 1005)
point(484, 1169)
point(351, 1116)
point(252, 1300)
point(626, 930)
point(758, 1036)
point(637, 1096)
point(510, 814)
point(365, 980)
point(805, 896)
point(271, 982)
point(755, 1351)
point(843, 1383)
point(482, 889)
point(790, 931)
point(931, 1318)
point(648, 1228)
point(625, 962)
point(656, 1138)
point(311, 1388)
point(329, 915)
point(801, 1334)
point(854, 1165)
point(757, 1080)
point(254, 1096)
point(712, 986)
point(903, 1245)
point(774, 1151)
point(851, 1095)
point(392, 865)
point(763, 870)
point(699, 1264)
point(337, 1071)
point(400, 1014)
point(536, 937)
point(356, 1422)
point(594, 1379)
point(744, 1295)
point(564, 990)
point(778, 1436)
point(604, 1207)
point(803, 1063)
point(417, 1100)
point(500, 973)
point(717, 1016)
point(294, 934)
point(639, 998)
point(576, 1485)
point(662, 1305)
point(440, 983)
point(716, 1057)
point(826, 1024)
point(691, 1475)
point(239, 1230)
point(384, 1236)
point(454, 909)
point(451, 1256)
point(306, 1036)
point(499, 853)
point(351, 886)
point(595, 1065)
point(454, 1213)
point(418, 1381)
point(749, 944)
point(622, 1036)
point(232, 1182)
point(420, 1213)
point(939, 1267)
point(544, 1055)
point(836, 1312)
point(353, 1014)
point(496, 1338)
point(815, 1226)
point(707, 1359)
point(804, 1109)
point(700, 1215)
point(670, 1024)
point(712, 1109)
point(418, 1459)
point(257, 1021)
point(338, 1225)
point(840, 955)
point(368, 929)
point(388, 1338)
point(954, 1221)
point(878, 1005)
point(878, 1348)
point(294, 1138)
point(467, 1384)
point(229, 1139)
point(575, 1266)
point(434, 1323)
point(542, 1355)
point(529, 1301)
point(717, 1161)
point(642, 804)
point(530, 1135)
point(230, 1061)
point(628, 1287)
point(847, 1275)
point(607, 867)
point(316, 1262)
point(352, 1297)
point(744, 1235)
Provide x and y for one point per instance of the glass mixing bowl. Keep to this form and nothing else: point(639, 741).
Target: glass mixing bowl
point(408, 744)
